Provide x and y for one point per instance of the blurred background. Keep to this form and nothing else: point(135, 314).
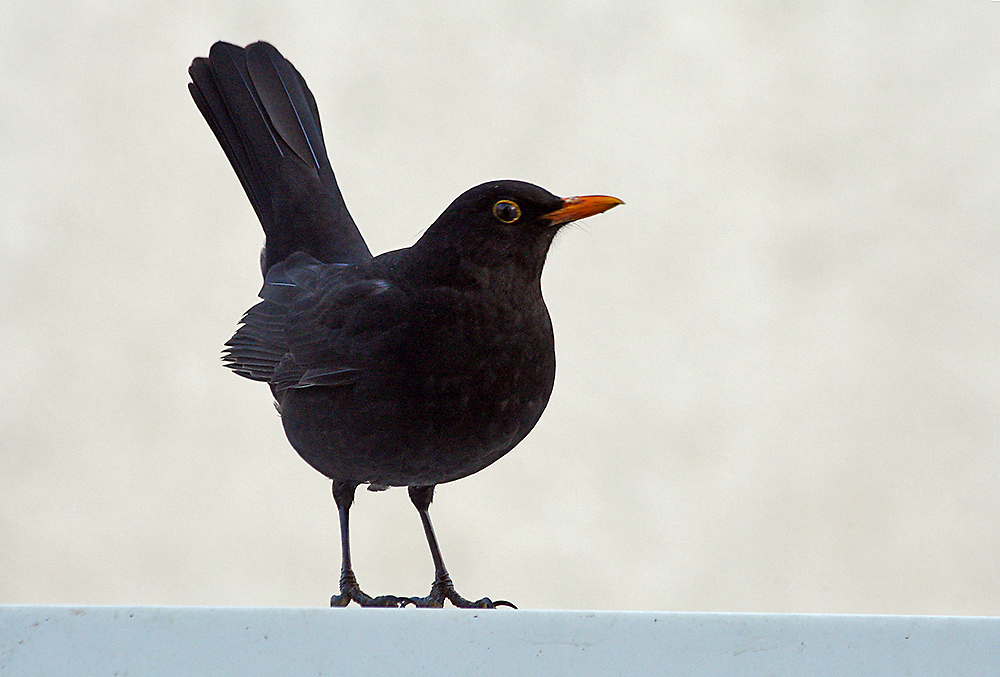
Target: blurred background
point(779, 384)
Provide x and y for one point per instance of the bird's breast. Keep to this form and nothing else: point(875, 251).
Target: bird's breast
point(452, 390)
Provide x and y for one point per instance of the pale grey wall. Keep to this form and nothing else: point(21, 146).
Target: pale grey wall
point(779, 384)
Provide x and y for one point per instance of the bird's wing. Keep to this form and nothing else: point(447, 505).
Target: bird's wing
point(267, 122)
point(310, 321)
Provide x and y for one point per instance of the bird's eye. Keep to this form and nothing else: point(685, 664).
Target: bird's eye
point(506, 211)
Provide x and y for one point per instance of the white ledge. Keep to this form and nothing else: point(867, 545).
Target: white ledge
point(138, 641)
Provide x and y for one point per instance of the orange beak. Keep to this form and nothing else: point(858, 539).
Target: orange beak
point(575, 208)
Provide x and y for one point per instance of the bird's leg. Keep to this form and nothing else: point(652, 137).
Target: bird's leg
point(343, 494)
point(442, 588)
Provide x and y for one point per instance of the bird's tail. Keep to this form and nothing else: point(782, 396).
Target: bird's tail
point(266, 120)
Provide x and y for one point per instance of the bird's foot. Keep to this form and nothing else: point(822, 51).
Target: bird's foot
point(443, 589)
point(350, 591)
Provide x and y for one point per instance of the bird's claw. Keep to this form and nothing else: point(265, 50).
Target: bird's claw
point(489, 604)
point(345, 598)
point(350, 591)
point(445, 590)
point(365, 600)
point(457, 601)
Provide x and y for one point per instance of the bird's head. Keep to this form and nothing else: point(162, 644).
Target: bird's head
point(504, 224)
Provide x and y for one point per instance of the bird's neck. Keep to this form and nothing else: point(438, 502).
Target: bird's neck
point(445, 266)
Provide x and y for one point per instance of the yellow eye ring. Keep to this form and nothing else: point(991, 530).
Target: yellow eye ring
point(506, 211)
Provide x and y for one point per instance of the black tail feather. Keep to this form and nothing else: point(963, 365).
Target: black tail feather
point(267, 122)
point(278, 85)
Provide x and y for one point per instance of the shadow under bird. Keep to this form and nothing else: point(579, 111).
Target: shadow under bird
point(413, 368)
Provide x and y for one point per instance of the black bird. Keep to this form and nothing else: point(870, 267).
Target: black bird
point(413, 368)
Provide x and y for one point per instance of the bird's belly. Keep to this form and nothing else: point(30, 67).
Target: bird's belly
point(419, 427)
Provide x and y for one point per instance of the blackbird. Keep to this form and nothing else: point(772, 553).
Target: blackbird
point(419, 366)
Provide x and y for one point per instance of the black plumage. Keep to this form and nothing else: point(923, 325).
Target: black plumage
point(413, 368)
